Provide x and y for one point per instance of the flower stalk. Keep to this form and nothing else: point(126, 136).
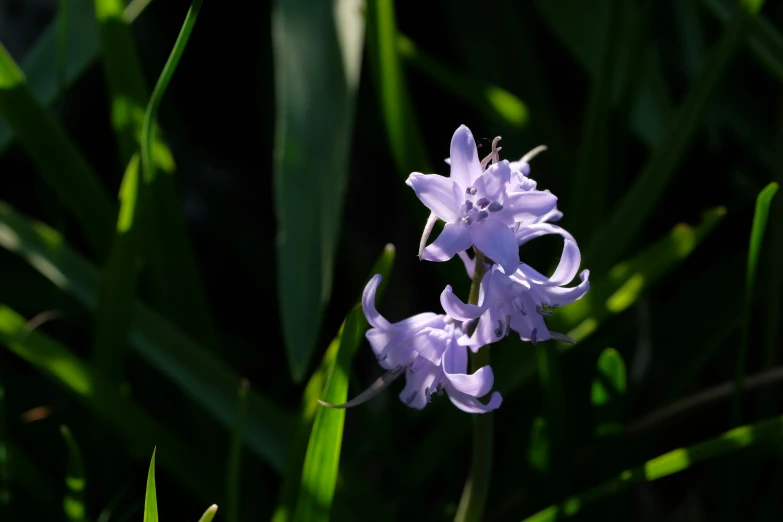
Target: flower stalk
point(474, 494)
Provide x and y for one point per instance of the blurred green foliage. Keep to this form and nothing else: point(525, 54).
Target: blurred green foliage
point(148, 272)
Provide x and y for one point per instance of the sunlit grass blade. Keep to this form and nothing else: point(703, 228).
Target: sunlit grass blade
point(209, 514)
point(81, 50)
point(402, 130)
point(668, 464)
point(764, 39)
point(118, 281)
point(626, 281)
point(608, 389)
point(763, 202)
point(616, 235)
point(501, 104)
point(129, 420)
point(234, 469)
point(56, 158)
point(75, 480)
point(196, 371)
point(591, 173)
point(150, 494)
point(309, 406)
point(317, 51)
point(322, 459)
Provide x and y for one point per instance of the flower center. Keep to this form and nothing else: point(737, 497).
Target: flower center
point(476, 212)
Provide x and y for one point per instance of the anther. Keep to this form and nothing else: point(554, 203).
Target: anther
point(471, 190)
point(468, 204)
point(499, 329)
point(533, 335)
point(495, 207)
point(482, 203)
point(543, 312)
point(482, 216)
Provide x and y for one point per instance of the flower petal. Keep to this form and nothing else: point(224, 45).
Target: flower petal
point(470, 264)
point(368, 304)
point(534, 230)
point(493, 181)
point(496, 241)
point(470, 404)
point(453, 238)
point(560, 296)
point(530, 205)
point(418, 379)
point(568, 265)
point(465, 165)
point(492, 327)
point(455, 364)
point(454, 306)
point(438, 193)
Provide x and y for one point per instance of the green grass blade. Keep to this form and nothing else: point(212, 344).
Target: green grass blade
point(626, 281)
point(317, 51)
point(591, 163)
point(322, 459)
point(538, 454)
point(501, 105)
point(82, 49)
point(609, 386)
point(763, 202)
point(403, 133)
point(118, 281)
point(209, 514)
point(764, 39)
point(150, 495)
point(75, 480)
point(56, 158)
point(314, 391)
point(668, 464)
point(130, 420)
point(633, 210)
point(235, 454)
point(195, 370)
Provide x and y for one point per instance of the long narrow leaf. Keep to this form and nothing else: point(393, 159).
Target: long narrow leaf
point(501, 104)
point(129, 420)
point(763, 202)
point(56, 158)
point(151, 495)
point(668, 464)
point(634, 208)
point(608, 388)
point(75, 480)
point(397, 114)
point(322, 460)
point(317, 48)
point(197, 372)
point(314, 391)
point(209, 514)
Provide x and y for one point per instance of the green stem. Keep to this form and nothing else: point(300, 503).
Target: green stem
point(474, 495)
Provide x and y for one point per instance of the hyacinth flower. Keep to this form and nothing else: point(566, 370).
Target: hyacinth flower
point(520, 300)
point(425, 349)
point(475, 204)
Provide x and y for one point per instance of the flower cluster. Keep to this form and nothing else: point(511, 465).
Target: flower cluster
point(494, 207)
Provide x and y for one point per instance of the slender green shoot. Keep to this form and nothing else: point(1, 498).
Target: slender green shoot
point(75, 480)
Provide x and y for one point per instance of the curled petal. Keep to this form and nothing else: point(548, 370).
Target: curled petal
point(568, 266)
point(453, 238)
point(532, 231)
point(496, 241)
point(465, 165)
point(454, 306)
point(375, 388)
point(564, 296)
point(470, 404)
point(368, 304)
point(438, 193)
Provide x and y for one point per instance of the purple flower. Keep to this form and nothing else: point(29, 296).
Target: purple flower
point(425, 349)
point(521, 300)
point(475, 205)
